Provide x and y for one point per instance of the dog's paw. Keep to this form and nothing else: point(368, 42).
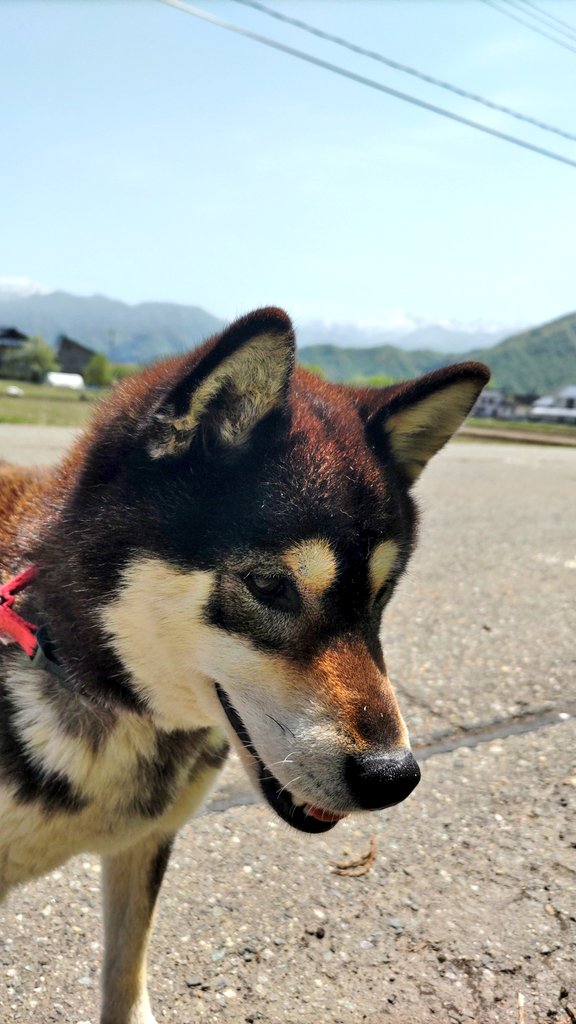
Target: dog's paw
point(136, 1017)
point(141, 1014)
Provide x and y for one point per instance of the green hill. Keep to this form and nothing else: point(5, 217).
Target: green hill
point(536, 361)
point(539, 360)
point(343, 364)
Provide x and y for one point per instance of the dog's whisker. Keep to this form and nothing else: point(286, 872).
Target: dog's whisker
point(288, 785)
point(285, 760)
point(280, 725)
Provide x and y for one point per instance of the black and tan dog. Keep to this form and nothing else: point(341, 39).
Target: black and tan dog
point(210, 565)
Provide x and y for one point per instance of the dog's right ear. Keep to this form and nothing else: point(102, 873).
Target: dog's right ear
point(242, 378)
point(414, 419)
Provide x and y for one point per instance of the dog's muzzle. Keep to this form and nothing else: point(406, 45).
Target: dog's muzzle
point(373, 780)
point(305, 818)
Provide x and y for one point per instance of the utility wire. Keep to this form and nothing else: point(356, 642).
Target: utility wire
point(547, 19)
point(362, 80)
point(566, 30)
point(553, 17)
point(312, 30)
point(566, 46)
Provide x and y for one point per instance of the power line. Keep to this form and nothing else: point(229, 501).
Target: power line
point(362, 80)
point(566, 24)
point(374, 55)
point(531, 11)
point(546, 18)
point(508, 14)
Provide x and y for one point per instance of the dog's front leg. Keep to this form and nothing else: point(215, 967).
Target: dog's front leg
point(131, 882)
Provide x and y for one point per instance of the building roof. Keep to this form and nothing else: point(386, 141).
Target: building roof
point(11, 337)
point(65, 342)
point(545, 400)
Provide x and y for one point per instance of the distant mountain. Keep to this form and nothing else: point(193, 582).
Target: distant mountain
point(138, 333)
point(126, 334)
point(536, 361)
point(403, 331)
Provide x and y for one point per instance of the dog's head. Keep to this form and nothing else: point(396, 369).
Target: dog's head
point(261, 518)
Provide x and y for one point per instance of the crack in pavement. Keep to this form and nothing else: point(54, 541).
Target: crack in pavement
point(470, 737)
point(473, 736)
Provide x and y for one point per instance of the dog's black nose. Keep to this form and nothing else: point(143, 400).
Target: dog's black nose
point(379, 780)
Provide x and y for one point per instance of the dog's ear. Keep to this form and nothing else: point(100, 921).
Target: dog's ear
point(418, 417)
point(242, 378)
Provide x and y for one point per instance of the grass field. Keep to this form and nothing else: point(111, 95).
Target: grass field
point(46, 406)
point(564, 429)
point(62, 407)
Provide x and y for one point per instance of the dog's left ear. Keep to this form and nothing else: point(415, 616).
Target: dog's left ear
point(418, 417)
point(241, 378)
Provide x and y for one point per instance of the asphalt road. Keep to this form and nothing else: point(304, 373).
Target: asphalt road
point(34, 446)
point(469, 908)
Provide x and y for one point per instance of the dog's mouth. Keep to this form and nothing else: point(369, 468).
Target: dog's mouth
point(304, 817)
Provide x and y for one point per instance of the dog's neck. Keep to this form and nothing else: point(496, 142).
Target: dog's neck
point(73, 651)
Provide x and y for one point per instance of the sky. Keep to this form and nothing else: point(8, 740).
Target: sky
point(149, 156)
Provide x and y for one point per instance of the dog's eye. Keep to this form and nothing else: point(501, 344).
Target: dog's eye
point(275, 591)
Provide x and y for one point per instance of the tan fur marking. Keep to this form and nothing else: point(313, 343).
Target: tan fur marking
point(381, 564)
point(362, 696)
point(314, 565)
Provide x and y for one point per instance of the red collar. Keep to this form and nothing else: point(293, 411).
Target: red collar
point(13, 628)
point(34, 640)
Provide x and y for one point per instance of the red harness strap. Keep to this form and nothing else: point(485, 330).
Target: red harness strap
point(13, 628)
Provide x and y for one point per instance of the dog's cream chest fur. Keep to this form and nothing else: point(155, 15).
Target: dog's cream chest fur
point(107, 760)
